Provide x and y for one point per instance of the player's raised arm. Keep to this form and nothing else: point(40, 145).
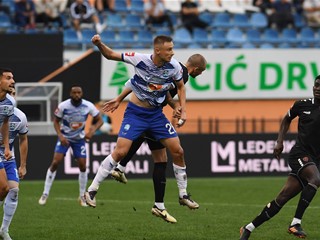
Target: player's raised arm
point(107, 52)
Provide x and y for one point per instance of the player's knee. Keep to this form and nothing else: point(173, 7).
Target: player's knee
point(179, 153)
point(14, 193)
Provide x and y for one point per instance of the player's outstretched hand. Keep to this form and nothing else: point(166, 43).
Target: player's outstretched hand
point(111, 105)
point(96, 39)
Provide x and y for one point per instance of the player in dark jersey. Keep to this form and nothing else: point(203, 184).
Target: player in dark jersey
point(304, 158)
point(195, 65)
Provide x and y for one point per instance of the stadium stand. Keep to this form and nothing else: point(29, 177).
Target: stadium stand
point(244, 28)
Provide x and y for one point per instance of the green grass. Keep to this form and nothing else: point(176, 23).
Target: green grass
point(123, 211)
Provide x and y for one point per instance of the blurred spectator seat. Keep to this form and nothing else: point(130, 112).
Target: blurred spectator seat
point(182, 36)
point(254, 36)
point(206, 17)
point(133, 22)
point(145, 38)
point(284, 45)
point(108, 37)
point(307, 36)
point(126, 38)
point(299, 21)
point(115, 21)
point(289, 35)
point(5, 21)
point(248, 45)
point(266, 46)
point(222, 20)
point(194, 46)
point(271, 36)
point(235, 36)
point(136, 6)
point(87, 35)
point(70, 38)
point(162, 31)
point(258, 20)
point(120, 6)
point(241, 21)
point(200, 36)
point(218, 37)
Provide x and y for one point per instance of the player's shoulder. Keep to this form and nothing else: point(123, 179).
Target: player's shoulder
point(306, 101)
point(10, 100)
point(19, 113)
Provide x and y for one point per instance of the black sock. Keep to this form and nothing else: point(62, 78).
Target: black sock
point(306, 197)
point(159, 181)
point(268, 212)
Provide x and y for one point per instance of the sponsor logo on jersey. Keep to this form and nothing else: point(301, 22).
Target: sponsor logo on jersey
point(129, 54)
point(75, 125)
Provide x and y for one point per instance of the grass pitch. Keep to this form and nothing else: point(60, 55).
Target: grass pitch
point(123, 211)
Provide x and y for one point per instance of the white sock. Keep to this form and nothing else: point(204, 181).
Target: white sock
point(49, 180)
point(160, 205)
point(83, 179)
point(250, 227)
point(295, 221)
point(107, 165)
point(9, 208)
point(121, 168)
point(181, 178)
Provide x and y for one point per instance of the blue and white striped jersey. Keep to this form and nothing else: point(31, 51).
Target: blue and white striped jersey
point(73, 119)
point(151, 83)
point(17, 125)
point(6, 107)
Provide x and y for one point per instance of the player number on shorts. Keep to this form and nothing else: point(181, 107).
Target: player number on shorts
point(170, 128)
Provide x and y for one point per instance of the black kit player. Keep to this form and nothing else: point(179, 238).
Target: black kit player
point(304, 159)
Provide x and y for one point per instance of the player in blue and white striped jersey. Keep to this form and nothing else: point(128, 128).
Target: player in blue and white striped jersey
point(18, 125)
point(69, 123)
point(6, 110)
point(155, 75)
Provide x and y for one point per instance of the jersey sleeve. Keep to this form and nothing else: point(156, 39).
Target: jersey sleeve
point(24, 129)
point(93, 110)
point(132, 58)
point(59, 110)
point(294, 110)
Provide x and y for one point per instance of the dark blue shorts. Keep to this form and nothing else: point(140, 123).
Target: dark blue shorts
point(11, 171)
point(78, 148)
point(138, 120)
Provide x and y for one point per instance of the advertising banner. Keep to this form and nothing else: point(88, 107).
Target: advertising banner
point(234, 74)
point(205, 156)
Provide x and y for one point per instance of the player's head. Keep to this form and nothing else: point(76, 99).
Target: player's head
point(76, 95)
point(196, 64)
point(316, 87)
point(163, 48)
point(6, 79)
